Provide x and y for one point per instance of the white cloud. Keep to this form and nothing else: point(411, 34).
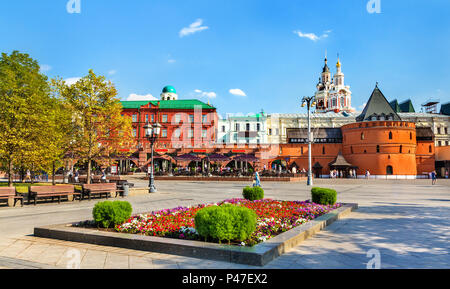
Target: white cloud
point(72, 80)
point(112, 72)
point(45, 68)
point(361, 107)
point(171, 61)
point(207, 94)
point(312, 36)
point(137, 97)
point(193, 28)
point(237, 92)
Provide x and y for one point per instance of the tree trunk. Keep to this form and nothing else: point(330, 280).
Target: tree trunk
point(53, 174)
point(10, 172)
point(88, 179)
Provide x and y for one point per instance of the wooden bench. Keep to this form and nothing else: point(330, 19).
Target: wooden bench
point(100, 189)
point(10, 194)
point(47, 192)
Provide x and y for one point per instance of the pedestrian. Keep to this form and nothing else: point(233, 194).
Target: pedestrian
point(77, 176)
point(28, 177)
point(103, 176)
point(433, 177)
point(446, 174)
point(367, 174)
point(257, 182)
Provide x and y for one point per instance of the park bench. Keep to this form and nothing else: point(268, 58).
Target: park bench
point(10, 194)
point(106, 189)
point(52, 192)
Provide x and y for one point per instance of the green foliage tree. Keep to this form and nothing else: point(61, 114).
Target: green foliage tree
point(100, 129)
point(25, 113)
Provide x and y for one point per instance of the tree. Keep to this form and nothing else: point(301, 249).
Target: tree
point(25, 113)
point(100, 129)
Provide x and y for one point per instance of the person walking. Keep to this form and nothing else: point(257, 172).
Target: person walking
point(433, 177)
point(367, 174)
point(446, 174)
point(103, 176)
point(77, 176)
point(257, 182)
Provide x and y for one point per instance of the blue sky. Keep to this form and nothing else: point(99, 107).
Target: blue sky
point(246, 45)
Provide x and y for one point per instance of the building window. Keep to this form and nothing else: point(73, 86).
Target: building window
point(351, 149)
point(164, 133)
point(135, 118)
point(446, 130)
point(378, 149)
point(430, 150)
point(301, 151)
point(390, 135)
point(237, 127)
point(146, 118)
point(439, 143)
point(247, 127)
point(191, 133)
point(191, 118)
point(401, 148)
point(362, 136)
point(177, 118)
point(410, 135)
point(153, 118)
point(204, 133)
point(438, 130)
point(258, 127)
point(164, 118)
point(177, 133)
point(389, 170)
point(223, 128)
point(323, 150)
point(134, 132)
point(277, 131)
point(270, 131)
point(205, 118)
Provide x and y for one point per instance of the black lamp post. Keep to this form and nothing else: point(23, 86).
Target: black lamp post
point(152, 133)
point(309, 102)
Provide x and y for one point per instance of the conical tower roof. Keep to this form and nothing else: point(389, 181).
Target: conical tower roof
point(378, 107)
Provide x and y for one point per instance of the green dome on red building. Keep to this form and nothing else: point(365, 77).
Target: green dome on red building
point(169, 89)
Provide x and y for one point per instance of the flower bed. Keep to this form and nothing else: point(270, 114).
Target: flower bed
point(274, 218)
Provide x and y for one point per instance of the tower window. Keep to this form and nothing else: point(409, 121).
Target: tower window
point(401, 148)
point(429, 149)
point(410, 135)
point(390, 135)
point(323, 150)
point(378, 148)
point(362, 136)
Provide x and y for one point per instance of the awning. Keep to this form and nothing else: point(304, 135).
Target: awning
point(218, 158)
point(246, 158)
point(188, 157)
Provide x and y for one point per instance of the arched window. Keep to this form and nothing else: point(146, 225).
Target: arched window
point(390, 135)
point(389, 170)
point(410, 135)
point(430, 149)
point(401, 148)
point(362, 136)
point(351, 149)
point(378, 148)
point(323, 150)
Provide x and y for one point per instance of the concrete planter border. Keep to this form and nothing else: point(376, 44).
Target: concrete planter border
point(258, 255)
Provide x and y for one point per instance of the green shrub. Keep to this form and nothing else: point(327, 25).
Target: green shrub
point(108, 214)
point(252, 194)
point(226, 222)
point(324, 196)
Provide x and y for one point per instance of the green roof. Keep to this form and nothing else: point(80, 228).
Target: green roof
point(168, 104)
point(377, 106)
point(407, 106)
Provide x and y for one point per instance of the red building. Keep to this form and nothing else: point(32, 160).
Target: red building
point(184, 123)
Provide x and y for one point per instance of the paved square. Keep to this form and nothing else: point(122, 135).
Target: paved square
point(408, 222)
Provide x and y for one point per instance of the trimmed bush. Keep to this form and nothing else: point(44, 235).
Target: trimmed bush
point(226, 222)
point(324, 196)
point(108, 214)
point(252, 194)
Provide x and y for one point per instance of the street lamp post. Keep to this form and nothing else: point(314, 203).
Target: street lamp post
point(309, 101)
point(152, 133)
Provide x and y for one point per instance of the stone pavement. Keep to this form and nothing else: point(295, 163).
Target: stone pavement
point(406, 222)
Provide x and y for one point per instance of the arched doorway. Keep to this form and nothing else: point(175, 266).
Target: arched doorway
point(389, 170)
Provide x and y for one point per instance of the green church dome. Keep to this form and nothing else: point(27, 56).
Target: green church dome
point(170, 89)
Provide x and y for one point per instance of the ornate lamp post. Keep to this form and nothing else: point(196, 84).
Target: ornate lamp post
point(309, 101)
point(152, 133)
